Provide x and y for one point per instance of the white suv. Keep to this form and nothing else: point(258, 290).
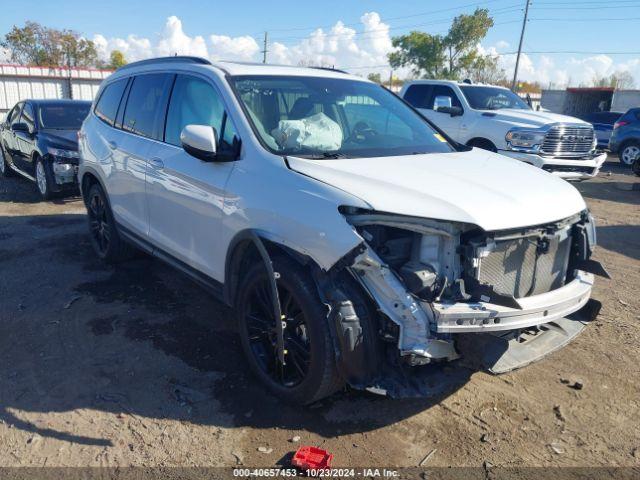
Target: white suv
point(355, 242)
point(496, 119)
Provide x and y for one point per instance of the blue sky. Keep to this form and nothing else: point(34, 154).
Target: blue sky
point(566, 25)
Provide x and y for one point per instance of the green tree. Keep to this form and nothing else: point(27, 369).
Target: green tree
point(374, 77)
point(485, 69)
point(34, 44)
point(422, 52)
point(116, 59)
point(621, 80)
point(447, 56)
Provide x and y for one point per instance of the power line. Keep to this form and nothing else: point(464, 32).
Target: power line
point(397, 27)
point(584, 19)
point(460, 7)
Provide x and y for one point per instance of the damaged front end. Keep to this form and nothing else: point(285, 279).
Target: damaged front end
point(494, 300)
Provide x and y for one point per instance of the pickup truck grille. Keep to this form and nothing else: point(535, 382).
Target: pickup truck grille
point(565, 141)
point(522, 268)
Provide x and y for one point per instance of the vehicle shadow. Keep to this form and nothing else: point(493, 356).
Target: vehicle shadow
point(17, 189)
point(623, 239)
point(141, 340)
point(613, 191)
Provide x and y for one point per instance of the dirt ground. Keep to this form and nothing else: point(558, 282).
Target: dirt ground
point(135, 365)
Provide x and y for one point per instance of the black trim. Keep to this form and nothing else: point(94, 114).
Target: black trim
point(212, 285)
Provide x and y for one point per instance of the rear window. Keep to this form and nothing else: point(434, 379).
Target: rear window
point(109, 100)
point(146, 104)
point(63, 117)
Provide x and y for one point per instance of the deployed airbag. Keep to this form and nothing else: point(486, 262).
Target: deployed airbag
point(317, 132)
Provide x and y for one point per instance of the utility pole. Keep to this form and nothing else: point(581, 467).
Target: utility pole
point(391, 80)
point(524, 24)
point(264, 50)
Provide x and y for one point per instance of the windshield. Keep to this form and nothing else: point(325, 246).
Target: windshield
point(320, 117)
point(64, 117)
point(492, 98)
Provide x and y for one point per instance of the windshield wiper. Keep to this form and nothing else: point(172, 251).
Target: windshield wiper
point(333, 155)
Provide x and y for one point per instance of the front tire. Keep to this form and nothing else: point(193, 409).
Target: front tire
point(43, 180)
point(106, 241)
point(629, 153)
point(309, 372)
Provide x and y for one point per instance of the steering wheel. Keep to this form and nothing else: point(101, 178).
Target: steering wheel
point(361, 132)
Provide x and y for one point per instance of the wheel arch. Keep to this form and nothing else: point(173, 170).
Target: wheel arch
point(89, 178)
point(244, 249)
point(479, 141)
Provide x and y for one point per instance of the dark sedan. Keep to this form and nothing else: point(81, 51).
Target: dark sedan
point(39, 140)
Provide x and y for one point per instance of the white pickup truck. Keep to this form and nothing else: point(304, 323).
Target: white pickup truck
point(496, 119)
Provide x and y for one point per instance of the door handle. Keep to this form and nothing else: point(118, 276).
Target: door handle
point(155, 162)
point(112, 145)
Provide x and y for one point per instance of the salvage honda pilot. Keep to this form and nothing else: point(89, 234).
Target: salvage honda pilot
point(357, 243)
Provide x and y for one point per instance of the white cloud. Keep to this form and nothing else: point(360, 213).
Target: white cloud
point(361, 51)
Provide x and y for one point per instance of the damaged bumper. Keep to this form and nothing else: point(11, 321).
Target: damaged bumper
point(466, 317)
point(497, 300)
point(567, 168)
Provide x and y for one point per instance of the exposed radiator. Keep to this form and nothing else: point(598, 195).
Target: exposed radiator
point(524, 267)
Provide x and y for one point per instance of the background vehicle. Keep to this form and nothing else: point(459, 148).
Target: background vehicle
point(355, 242)
point(39, 141)
point(625, 138)
point(495, 119)
point(603, 125)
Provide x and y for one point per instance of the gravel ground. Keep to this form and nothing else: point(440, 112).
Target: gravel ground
point(135, 365)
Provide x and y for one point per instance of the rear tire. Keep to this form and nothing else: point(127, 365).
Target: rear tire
point(629, 153)
point(310, 372)
point(105, 239)
point(636, 167)
point(5, 169)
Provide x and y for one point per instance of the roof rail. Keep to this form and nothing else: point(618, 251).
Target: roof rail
point(331, 69)
point(174, 59)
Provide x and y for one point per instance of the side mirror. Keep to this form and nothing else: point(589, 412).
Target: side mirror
point(200, 141)
point(20, 127)
point(455, 111)
point(442, 103)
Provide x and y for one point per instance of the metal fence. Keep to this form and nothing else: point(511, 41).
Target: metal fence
point(19, 83)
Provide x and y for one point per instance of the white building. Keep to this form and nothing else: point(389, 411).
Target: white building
point(19, 83)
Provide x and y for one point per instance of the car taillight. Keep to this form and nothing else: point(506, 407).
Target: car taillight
point(621, 123)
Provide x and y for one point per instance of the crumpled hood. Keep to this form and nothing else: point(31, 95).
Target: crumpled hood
point(67, 139)
point(531, 118)
point(478, 187)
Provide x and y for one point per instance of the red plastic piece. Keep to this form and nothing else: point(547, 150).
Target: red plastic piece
point(312, 458)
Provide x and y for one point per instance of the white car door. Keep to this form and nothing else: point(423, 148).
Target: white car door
point(137, 127)
point(186, 195)
point(438, 96)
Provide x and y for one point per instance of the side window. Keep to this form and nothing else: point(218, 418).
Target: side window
point(146, 104)
point(419, 95)
point(28, 116)
point(444, 91)
point(14, 115)
point(107, 105)
point(196, 102)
